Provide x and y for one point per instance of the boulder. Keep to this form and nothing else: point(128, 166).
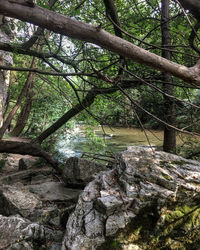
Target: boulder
point(44, 202)
point(77, 172)
point(17, 200)
point(9, 163)
point(27, 163)
point(150, 200)
point(19, 233)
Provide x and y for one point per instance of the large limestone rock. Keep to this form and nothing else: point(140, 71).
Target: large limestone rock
point(38, 202)
point(150, 200)
point(19, 233)
point(78, 171)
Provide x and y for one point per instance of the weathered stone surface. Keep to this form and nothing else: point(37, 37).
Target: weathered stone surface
point(43, 202)
point(79, 171)
point(19, 233)
point(54, 191)
point(149, 201)
point(27, 176)
point(17, 200)
point(31, 201)
point(9, 163)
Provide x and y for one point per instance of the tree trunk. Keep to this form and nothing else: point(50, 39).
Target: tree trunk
point(85, 103)
point(5, 59)
point(26, 148)
point(25, 112)
point(193, 6)
point(169, 143)
point(8, 97)
point(19, 101)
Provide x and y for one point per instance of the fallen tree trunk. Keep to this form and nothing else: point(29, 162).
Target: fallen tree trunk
point(25, 148)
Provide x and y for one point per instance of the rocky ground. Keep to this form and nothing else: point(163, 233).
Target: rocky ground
point(35, 202)
point(147, 200)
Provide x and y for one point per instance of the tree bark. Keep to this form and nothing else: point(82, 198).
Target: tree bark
point(86, 32)
point(18, 103)
point(193, 6)
point(25, 112)
point(5, 59)
point(26, 148)
point(169, 143)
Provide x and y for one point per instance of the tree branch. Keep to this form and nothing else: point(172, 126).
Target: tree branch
point(86, 32)
point(25, 148)
point(33, 70)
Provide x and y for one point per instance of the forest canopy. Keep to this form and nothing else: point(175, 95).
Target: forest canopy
point(132, 63)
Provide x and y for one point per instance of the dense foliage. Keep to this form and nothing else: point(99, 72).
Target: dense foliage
point(140, 93)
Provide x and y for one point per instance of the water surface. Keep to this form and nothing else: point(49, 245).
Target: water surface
point(115, 139)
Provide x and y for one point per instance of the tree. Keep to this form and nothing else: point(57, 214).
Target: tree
point(169, 143)
point(5, 59)
point(100, 62)
point(18, 103)
point(86, 32)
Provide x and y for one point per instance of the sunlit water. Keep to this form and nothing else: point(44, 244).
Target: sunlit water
point(115, 140)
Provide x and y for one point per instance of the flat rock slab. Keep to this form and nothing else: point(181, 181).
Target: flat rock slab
point(27, 176)
point(54, 191)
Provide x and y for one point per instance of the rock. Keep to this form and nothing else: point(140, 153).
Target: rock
point(64, 215)
point(9, 163)
point(17, 200)
point(35, 202)
point(26, 163)
point(55, 221)
point(150, 200)
point(19, 233)
point(41, 178)
point(55, 191)
point(53, 239)
point(27, 176)
point(78, 171)
point(3, 162)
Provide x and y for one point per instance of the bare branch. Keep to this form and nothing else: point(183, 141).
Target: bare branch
point(44, 72)
point(85, 32)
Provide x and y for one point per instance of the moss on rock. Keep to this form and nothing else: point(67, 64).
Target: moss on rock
point(179, 229)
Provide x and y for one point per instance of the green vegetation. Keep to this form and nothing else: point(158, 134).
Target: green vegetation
point(57, 81)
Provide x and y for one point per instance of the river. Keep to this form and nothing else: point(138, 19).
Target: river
point(113, 139)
